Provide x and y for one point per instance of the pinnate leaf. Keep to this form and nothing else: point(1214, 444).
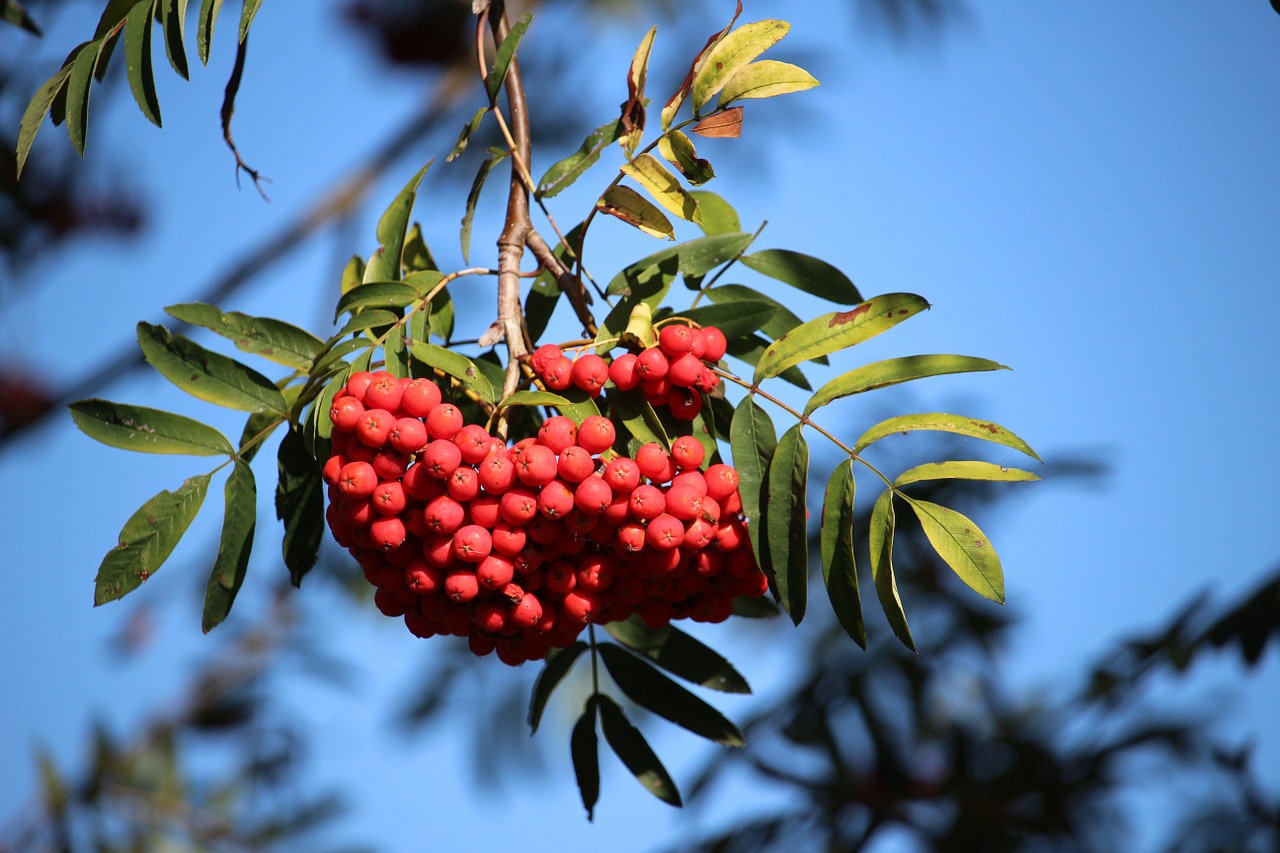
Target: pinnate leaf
point(240, 497)
point(630, 746)
point(963, 547)
point(209, 10)
point(805, 272)
point(766, 79)
point(147, 539)
point(648, 172)
point(880, 540)
point(718, 216)
point(732, 53)
point(376, 294)
point(680, 654)
point(943, 422)
point(272, 339)
point(965, 470)
point(147, 430)
point(208, 375)
point(12, 12)
point(785, 521)
point(839, 570)
point(881, 374)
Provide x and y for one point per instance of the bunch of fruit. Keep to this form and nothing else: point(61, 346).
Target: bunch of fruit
point(520, 547)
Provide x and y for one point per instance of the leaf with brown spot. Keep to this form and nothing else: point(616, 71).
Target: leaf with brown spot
point(963, 546)
point(943, 422)
point(726, 124)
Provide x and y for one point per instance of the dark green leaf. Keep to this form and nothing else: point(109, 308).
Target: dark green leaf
point(147, 430)
point(207, 375)
point(368, 318)
point(532, 398)
point(943, 422)
point(417, 255)
point(385, 265)
point(767, 78)
point(137, 60)
point(733, 52)
point(247, 13)
point(750, 350)
point(553, 672)
point(881, 374)
point(755, 608)
point(395, 355)
point(583, 746)
point(580, 405)
point(880, 540)
point(969, 470)
point(33, 116)
point(317, 428)
point(644, 289)
point(963, 547)
point(680, 654)
point(753, 441)
point(253, 428)
point(806, 273)
point(236, 542)
point(839, 570)
point(147, 540)
point(692, 258)
point(78, 86)
point(204, 30)
point(563, 173)
point(458, 366)
point(468, 131)
point(630, 746)
point(376, 294)
point(173, 22)
point(736, 319)
point(781, 321)
point(649, 688)
point(496, 156)
point(272, 339)
point(637, 416)
point(626, 204)
point(785, 521)
point(12, 11)
point(837, 331)
point(300, 505)
point(503, 55)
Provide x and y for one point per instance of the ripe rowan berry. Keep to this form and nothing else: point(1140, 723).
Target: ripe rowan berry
point(543, 357)
point(390, 463)
point(375, 427)
point(595, 573)
point(508, 539)
point(707, 380)
point(461, 585)
point(490, 615)
point(495, 571)
point(387, 532)
point(463, 484)
point(675, 339)
point(528, 612)
point(420, 485)
point(441, 458)
point(558, 375)
point(484, 511)
point(518, 506)
point(575, 463)
point(357, 479)
point(688, 452)
point(664, 533)
point(555, 499)
point(722, 481)
point(357, 383)
point(345, 413)
point(388, 498)
point(580, 606)
point(558, 433)
point(544, 531)
point(623, 372)
point(444, 421)
point(597, 434)
point(714, 344)
point(622, 475)
point(652, 364)
point(685, 369)
point(385, 391)
point(424, 578)
point(443, 515)
point(592, 496)
point(536, 465)
point(409, 435)
point(420, 397)
point(332, 466)
point(589, 373)
point(654, 462)
point(647, 502)
point(472, 543)
point(475, 443)
point(497, 474)
point(684, 501)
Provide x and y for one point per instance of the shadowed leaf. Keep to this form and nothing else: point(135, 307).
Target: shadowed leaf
point(553, 672)
point(300, 505)
point(583, 747)
point(208, 375)
point(785, 521)
point(240, 497)
point(805, 272)
point(630, 746)
point(880, 540)
point(839, 570)
point(147, 430)
point(650, 689)
point(680, 654)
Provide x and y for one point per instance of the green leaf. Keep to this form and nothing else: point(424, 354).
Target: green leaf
point(256, 424)
point(376, 294)
point(385, 265)
point(881, 374)
point(766, 79)
point(563, 173)
point(82, 68)
point(968, 470)
point(963, 547)
point(147, 540)
point(805, 272)
point(733, 52)
point(207, 375)
point(209, 10)
point(579, 405)
point(718, 217)
point(630, 746)
point(752, 440)
point(834, 332)
point(417, 255)
point(532, 398)
point(173, 21)
point(317, 428)
point(147, 430)
point(35, 112)
point(679, 151)
point(943, 422)
point(680, 654)
point(752, 349)
point(634, 209)
point(880, 540)
point(272, 339)
point(496, 156)
point(458, 366)
point(468, 130)
point(247, 14)
point(782, 319)
point(648, 172)
point(395, 355)
point(503, 56)
point(692, 258)
point(13, 12)
point(137, 59)
point(649, 688)
point(584, 748)
point(646, 285)
point(839, 570)
point(637, 416)
point(755, 608)
point(785, 521)
point(300, 505)
point(673, 105)
point(737, 319)
point(553, 672)
point(236, 542)
point(633, 109)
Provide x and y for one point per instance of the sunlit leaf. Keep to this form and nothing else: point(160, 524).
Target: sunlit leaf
point(965, 470)
point(786, 522)
point(147, 539)
point(736, 319)
point(804, 272)
point(834, 332)
point(553, 672)
point(394, 354)
point(532, 398)
point(376, 294)
point(300, 505)
point(881, 374)
point(753, 441)
point(634, 209)
point(673, 105)
point(648, 172)
point(633, 110)
point(147, 430)
point(766, 79)
point(503, 56)
point(963, 547)
point(247, 14)
point(468, 131)
point(496, 156)
point(649, 688)
point(731, 54)
point(839, 570)
point(272, 339)
point(385, 265)
point(943, 422)
point(718, 216)
point(209, 10)
point(880, 540)
point(583, 747)
point(637, 417)
point(680, 654)
point(726, 124)
point(417, 255)
point(240, 497)
point(208, 375)
point(563, 173)
point(630, 746)
point(256, 429)
point(138, 62)
point(458, 366)
point(679, 151)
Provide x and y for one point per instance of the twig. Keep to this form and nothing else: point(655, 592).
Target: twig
point(228, 109)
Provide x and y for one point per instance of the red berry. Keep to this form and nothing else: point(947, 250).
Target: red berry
point(647, 502)
point(623, 372)
point(592, 496)
point(528, 612)
point(409, 435)
point(333, 465)
point(580, 606)
point(536, 465)
point(545, 531)
point(461, 585)
point(384, 392)
point(543, 357)
point(472, 543)
point(443, 515)
point(707, 380)
point(664, 533)
point(387, 532)
point(684, 501)
point(519, 506)
point(508, 539)
point(497, 474)
point(375, 427)
point(357, 479)
point(722, 481)
point(390, 463)
point(555, 499)
point(357, 383)
point(631, 536)
point(441, 458)
point(388, 498)
point(589, 373)
point(575, 463)
point(463, 484)
point(713, 344)
point(345, 413)
point(495, 571)
point(692, 478)
point(558, 432)
point(483, 510)
point(688, 452)
point(675, 339)
point(654, 462)
point(444, 421)
point(420, 485)
point(474, 441)
point(559, 374)
point(490, 615)
point(597, 434)
point(423, 578)
point(685, 370)
point(684, 403)
point(420, 397)
point(652, 364)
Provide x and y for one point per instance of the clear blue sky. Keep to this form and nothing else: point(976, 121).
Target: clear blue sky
point(1085, 192)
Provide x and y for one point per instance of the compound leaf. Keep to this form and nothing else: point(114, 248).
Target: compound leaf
point(805, 272)
point(650, 689)
point(630, 746)
point(147, 430)
point(881, 374)
point(680, 654)
point(272, 339)
point(553, 672)
point(240, 497)
point(839, 570)
point(786, 523)
point(963, 547)
point(880, 539)
point(943, 422)
point(766, 79)
point(207, 375)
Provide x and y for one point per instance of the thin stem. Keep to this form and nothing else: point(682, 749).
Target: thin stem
point(595, 666)
point(710, 284)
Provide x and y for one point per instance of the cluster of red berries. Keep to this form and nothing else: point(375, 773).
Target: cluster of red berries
point(674, 373)
point(519, 548)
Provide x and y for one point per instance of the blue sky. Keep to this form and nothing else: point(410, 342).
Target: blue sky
point(1087, 193)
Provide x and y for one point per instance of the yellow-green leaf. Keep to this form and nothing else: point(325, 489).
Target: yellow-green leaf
point(680, 152)
point(965, 470)
point(35, 112)
point(766, 79)
point(736, 50)
point(648, 172)
point(634, 209)
point(943, 422)
point(881, 374)
point(147, 430)
point(963, 547)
